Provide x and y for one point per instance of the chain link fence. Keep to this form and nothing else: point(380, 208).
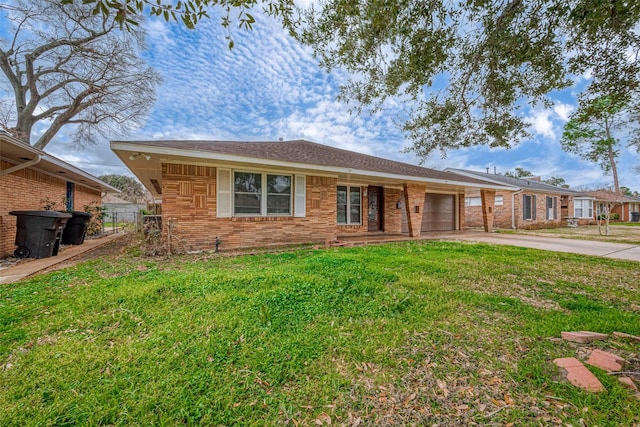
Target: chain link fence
point(115, 222)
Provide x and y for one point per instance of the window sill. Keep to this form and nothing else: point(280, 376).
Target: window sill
point(259, 218)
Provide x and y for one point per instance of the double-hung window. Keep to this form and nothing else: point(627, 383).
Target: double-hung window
point(583, 208)
point(529, 206)
point(261, 194)
point(349, 205)
point(552, 206)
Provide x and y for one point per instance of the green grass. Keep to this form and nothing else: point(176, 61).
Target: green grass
point(619, 232)
point(407, 333)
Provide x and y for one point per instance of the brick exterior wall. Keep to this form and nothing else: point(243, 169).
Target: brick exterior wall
point(190, 215)
point(190, 219)
point(414, 205)
point(392, 221)
point(25, 190)
point(502, 213)
point(462, 214)
point(625, 209)
point(488, 198)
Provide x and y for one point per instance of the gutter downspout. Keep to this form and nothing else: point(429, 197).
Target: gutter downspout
point(21, 166)
point(513, 208)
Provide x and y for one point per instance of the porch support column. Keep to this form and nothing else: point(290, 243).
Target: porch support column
point(414, 204)
point(488, 198)
point(461, 212)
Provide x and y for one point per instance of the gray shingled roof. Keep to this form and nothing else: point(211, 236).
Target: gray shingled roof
point(524, 183)
point(309, 153)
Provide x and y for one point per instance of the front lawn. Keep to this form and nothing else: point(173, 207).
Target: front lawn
point(619, 232)
point(412, 333)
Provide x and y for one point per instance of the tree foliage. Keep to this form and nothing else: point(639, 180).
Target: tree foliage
point(556, 182)
point(591, 133)
point(64, 65)
point(466, 69)
point(518, 173)
point(128, 13)
point(131, 189)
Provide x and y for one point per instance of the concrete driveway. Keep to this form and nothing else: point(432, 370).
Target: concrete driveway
point(584, 247)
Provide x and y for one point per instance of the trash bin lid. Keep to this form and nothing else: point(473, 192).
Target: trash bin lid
point(80, 213)
point(48, 214)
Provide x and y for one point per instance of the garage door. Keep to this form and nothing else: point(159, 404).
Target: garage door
point(439, 212)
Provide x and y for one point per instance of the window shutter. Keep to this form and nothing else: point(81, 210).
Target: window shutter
point(224, 193)
point(533, 207)
point(300, 202)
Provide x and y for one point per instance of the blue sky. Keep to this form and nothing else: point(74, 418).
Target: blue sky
point(270, 87)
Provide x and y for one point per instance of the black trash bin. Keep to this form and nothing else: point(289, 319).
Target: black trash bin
point(635, 216)
point(76, 228)
point(38, 233)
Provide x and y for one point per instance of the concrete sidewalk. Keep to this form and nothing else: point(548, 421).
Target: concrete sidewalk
point(583, 247)
point(29, 267)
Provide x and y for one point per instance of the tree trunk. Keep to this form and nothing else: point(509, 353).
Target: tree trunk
point(612, 159)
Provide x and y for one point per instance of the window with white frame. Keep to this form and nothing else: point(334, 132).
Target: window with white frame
point(552, 206)
point(472, 201)
point(349, 205)
point(261, 194)
point(477, 201)
point(529, 206)
point(583, 208)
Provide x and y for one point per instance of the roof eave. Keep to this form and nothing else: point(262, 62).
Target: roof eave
point(93, 182)
point(133, 147)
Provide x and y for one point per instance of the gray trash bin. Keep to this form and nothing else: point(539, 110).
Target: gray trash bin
point(635, 216)
point(38, 233)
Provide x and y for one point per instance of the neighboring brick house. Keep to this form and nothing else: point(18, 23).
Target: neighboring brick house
point(621, 205)
point(251, 194)
point(629, 206)
point(30, 177)
point(527, 203)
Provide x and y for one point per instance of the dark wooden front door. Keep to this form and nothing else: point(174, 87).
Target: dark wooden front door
point(375, 208)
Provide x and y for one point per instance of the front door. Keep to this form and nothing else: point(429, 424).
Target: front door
point(375, 208)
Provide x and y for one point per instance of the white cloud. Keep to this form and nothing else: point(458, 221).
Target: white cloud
point(541, 123)
point(268, 86)
point(563, 110)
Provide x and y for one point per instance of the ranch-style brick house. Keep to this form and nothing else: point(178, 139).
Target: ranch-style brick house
point(624, 206)
point(254, 194)
point(526, 203)
point(29, 178)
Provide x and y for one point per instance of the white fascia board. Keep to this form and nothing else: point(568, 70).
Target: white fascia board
point(125, 146)
point(472, 175)
point(64, 165)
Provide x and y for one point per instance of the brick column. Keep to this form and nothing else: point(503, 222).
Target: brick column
point(488, 198)
point(414, 204)
point(461, 212)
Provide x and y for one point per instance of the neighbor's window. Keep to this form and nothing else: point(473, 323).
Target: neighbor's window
point(477, 201)
point(528, 206)
point(349, 205)
point(249, 189)
point(552, 205)
point(472, 201)
point(583, 208)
